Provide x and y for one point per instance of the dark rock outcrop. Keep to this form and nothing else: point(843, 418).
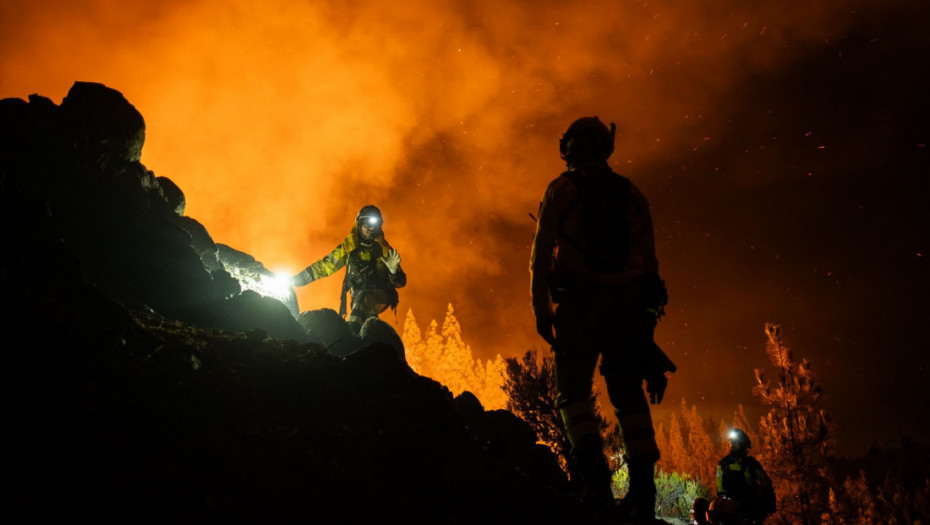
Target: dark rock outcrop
point(123, 416)
point(330, 330)
point(376, 331)
point(147, 386)
point(75, 170)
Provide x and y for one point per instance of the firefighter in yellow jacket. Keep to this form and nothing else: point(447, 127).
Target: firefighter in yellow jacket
point(742, 479)
point(373, 271)
point(594, 256)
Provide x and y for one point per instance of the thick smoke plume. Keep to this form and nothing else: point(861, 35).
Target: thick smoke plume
point(279, 122)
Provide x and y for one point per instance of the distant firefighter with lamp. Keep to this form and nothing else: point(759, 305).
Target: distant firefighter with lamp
point(373, 272)
point(744, 491)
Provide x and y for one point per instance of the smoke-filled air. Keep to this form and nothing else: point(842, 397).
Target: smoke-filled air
point(747, 125)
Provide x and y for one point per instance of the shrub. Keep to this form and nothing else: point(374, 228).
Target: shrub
point(675, 492)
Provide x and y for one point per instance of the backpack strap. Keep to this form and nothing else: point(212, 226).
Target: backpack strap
point(579, 181)
point(581, 177)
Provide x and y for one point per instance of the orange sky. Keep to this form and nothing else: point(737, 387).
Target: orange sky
point(279, 122)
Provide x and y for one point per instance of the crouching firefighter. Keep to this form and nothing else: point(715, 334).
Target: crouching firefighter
point(744, 491)
point(594, 256)
point(373, 272)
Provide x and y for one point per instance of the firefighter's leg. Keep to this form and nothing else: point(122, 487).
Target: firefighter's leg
point(574, 369)
point(366, 304)
point(625, 388)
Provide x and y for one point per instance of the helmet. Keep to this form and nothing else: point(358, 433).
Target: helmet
point(723, 510)
point(587, 139)
point(370, 215)
point(739, 440)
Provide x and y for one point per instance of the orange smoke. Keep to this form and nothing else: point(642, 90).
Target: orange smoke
point(280, 122)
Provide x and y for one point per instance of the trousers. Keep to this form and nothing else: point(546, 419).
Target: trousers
point(610, 323)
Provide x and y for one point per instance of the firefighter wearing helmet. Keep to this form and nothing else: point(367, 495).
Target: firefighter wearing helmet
point(373, 271)
point(596, 293)
point(744, 490)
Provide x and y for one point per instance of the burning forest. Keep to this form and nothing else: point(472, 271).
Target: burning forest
point(782, 149)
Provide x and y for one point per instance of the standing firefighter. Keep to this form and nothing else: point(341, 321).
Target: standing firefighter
point(594, 256)
point(373, 271)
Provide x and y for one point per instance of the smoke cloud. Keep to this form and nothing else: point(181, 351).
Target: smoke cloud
point(280, 122)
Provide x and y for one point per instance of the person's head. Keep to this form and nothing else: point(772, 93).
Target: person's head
point(739, 441)
point(369, 222)
point(587, 140)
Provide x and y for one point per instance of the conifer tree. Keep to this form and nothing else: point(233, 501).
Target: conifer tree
point(703, 453)
point(796, 434)
point(723, 445)
point(678, 460)
point(444, 356)
point(741, 421)
point(855, 504)
point(531, 393)
point(456, 367)
point(432, 350)
point(662, 444)
point(493, 384)
point(413, 343)
point(480, 375)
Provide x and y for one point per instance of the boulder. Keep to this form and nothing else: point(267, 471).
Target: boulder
point(377, 331)
point(102, 121)
point(329, 328)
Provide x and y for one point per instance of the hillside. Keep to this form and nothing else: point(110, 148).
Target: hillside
point(147, 384)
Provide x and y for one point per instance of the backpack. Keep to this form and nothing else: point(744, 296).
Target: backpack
point(605, 199)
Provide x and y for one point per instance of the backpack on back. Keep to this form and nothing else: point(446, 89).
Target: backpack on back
point(605, 199)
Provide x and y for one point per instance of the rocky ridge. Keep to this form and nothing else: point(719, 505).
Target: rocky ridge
point(149, 385)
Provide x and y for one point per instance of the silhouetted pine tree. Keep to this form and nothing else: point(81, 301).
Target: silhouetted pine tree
point(413, 342)
point(796, 435)
point(531, 394)
point(689, 447)
point(894, 501)
point(445, 357)
point(703, 453)
point(677, 450)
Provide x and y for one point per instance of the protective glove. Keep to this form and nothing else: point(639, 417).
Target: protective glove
point(655, 386)
point(545, 326)
point(302, 278)
point(392, 261)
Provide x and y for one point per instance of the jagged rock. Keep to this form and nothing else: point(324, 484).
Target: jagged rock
point(250, 311)
point(201, 242)
point(75, 170)
point(103, 123)
point(173, 195)
point(331, 330)
point(125, 408)
point(377, 331)
point(254, 276)
point(508, 435)
point(126, 416)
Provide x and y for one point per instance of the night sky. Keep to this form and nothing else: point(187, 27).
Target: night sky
point(782, 147)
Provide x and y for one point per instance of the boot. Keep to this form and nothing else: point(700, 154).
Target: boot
point(594, 472)
point(639, 505)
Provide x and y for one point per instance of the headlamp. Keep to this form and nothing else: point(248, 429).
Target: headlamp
point(372, 221)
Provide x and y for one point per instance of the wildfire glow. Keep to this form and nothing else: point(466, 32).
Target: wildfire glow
point(280, 122)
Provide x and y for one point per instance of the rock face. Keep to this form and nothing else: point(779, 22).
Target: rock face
point(151, 387)
point(124, 416)
point(75, 168)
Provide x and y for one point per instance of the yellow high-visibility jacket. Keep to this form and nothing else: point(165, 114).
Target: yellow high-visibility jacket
point(365, 268)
